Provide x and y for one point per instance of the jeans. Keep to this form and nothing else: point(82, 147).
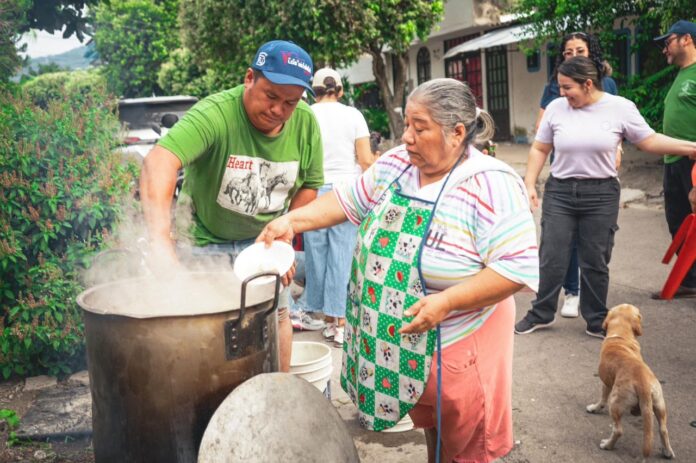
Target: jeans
point(585, 210)
point(571, 285)
point(676, 182)
point(328, 256)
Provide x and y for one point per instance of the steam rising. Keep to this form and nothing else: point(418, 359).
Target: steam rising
point(133, 279)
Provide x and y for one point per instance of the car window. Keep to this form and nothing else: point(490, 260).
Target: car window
point(141, 114)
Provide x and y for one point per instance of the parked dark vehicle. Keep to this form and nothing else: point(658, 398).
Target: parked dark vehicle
point(146, 120)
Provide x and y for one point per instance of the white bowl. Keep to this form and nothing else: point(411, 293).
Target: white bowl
point(257, 259)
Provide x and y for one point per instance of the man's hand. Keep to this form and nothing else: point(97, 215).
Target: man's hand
point(162, 260)
point(692, 199)
point(428, 312)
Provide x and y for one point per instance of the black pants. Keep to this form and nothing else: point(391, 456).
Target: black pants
point(676, 182)
point(585, 210)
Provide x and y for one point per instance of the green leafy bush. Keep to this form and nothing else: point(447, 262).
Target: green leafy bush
point(649, 92)
point(53, 86)
point(180, 75)
point(61, 190)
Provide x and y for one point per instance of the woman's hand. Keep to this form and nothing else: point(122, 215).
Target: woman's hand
point(533, 197)
point(279, 229)
point(428, 312)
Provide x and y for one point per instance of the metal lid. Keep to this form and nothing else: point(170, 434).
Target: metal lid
point(185, 294)
point(276, 417)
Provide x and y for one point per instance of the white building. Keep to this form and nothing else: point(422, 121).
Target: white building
point(476, 44)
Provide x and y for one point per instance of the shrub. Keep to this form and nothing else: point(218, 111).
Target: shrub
point(61, 187)
point(180, 75)
point(55, 85)
point(649, 92)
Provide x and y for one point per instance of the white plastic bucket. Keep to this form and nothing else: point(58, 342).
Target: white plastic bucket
point(405, 424)
point(311, 361)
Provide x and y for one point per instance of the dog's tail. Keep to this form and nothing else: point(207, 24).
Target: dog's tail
point(645, 401)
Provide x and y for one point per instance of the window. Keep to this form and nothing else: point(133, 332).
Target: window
point(467, 68)
point(451, 43)
point(534, 61)
point(423, 65)
point(551, 52)
point(649, 58)
point(621, 55)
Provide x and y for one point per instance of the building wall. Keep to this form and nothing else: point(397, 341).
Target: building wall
point(525, 89)
point(466, 17)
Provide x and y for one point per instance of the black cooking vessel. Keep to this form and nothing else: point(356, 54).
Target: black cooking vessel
point(157, 374)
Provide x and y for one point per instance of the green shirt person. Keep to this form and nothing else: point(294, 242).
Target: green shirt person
point(249, 154)
point(679, 47)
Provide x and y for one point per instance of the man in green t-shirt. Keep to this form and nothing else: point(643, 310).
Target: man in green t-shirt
point(249, 154)
point(679, 47)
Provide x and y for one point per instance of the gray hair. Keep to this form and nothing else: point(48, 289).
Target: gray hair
point(451, 102)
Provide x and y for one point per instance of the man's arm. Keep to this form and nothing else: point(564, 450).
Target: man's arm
point(363, 153)
point(302, 197)
point(157, 183)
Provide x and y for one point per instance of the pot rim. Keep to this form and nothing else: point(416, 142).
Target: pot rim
point(256, 293)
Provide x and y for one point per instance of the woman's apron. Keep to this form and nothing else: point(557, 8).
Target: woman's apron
point(383, 372)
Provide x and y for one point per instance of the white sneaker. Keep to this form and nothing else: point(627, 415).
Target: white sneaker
point(570, 306)
point(330, 331)
point(338, 337)
point(302, 321)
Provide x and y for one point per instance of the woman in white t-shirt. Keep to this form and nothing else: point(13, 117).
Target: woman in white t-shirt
point(328, 252)
point(581, 196)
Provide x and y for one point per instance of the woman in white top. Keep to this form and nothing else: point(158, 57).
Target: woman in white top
point(581, 196)
point(328, 252)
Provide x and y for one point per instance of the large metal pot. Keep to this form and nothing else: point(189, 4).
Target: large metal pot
point(159, 370)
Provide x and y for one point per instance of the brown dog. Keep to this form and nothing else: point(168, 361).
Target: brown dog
point(629, 384)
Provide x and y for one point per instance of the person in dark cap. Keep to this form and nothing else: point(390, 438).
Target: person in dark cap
point(250, 154)
point(679, 120)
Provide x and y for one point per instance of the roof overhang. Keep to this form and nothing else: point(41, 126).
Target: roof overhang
point(496, 38)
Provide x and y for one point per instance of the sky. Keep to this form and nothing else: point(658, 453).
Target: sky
point(41, 43)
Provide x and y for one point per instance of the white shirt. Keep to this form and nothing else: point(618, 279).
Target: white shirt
point(585, 139)
point(340, 126)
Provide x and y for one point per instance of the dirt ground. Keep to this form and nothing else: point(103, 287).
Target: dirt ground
point(641, 174)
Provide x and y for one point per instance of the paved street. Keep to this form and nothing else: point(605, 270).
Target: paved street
point(555, 370)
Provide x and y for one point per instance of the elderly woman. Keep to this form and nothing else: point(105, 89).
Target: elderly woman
point(445, 238)
point(581, 196)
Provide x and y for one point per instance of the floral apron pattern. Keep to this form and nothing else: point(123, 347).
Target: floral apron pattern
point(383, 372)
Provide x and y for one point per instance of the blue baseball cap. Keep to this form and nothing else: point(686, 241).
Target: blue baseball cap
point(284, 63)
point(680, 27)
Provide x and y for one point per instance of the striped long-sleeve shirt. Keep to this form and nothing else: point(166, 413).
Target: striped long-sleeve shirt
point(482, 220)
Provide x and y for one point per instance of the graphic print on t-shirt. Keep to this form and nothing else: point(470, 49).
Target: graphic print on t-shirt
point(254, 185)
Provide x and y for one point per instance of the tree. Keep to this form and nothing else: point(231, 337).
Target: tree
point(12, 21)
point(54, 15)
point(20, 16)
point(133, 39)
point(227, 33)
point(550, 19)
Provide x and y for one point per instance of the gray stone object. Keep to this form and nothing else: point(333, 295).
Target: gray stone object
point(58, 412)
point(276, 417)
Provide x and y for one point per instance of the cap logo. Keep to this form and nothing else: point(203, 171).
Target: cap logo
point(261, 60)
point(292, 61)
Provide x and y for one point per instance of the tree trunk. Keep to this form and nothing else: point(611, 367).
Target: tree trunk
point(393, 101)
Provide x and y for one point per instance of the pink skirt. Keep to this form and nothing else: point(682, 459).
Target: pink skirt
point(476, 392)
